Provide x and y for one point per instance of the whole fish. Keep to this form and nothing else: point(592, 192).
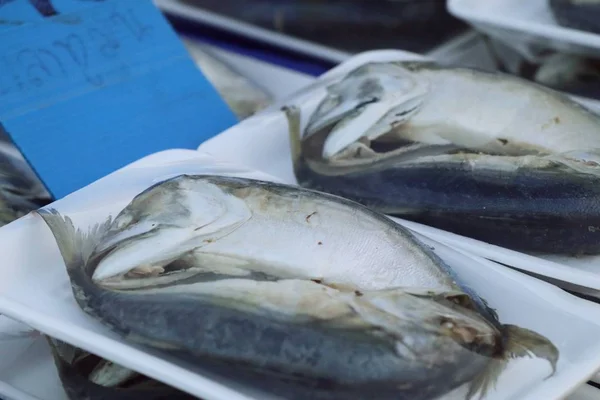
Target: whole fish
point(244, 97)
point(577, 14)
point(485, 155)
point(308, 295)
point(86, 376)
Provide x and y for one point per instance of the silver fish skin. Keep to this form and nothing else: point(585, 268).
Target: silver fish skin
point(583, 15)
point(458, 149)
point(308, 295)
point(243, 96)
point(85, 376)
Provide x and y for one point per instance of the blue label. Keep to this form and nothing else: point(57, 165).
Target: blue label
point(88, 86)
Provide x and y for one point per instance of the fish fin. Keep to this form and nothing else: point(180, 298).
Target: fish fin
point(486, 380)
point(521, 342)
point(293, 116)
point(489, 309)
point(518, 342)
point(75, 245)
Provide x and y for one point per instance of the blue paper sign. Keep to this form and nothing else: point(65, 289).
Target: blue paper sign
point(88, 86)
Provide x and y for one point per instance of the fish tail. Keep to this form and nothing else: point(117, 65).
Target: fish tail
point(292, 114)
point(518, 342)
point(75, 246)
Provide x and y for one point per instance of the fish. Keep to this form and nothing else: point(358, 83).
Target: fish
point(243, 96)
point(486, 155)
point(582, 15)
point(348, 25)
point(570, 73)
point(21, 191)
point(305, 294)
point(86, 376)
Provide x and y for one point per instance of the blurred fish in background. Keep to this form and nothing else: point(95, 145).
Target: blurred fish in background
point(21, 191)
point(244, 97)
point(571, 73)
point(347, 25)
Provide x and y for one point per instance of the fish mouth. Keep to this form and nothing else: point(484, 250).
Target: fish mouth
point(149, 246)
point(123, 250)
point(334, 110)
point(115, 237)
point(367, 103)
point(143, 251)
point(371, 122)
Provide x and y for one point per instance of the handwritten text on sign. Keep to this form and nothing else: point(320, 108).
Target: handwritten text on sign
point(104, 49)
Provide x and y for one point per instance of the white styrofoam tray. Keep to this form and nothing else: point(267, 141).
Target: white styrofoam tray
point(27, 369)
point(526, 25)
point(36, 291)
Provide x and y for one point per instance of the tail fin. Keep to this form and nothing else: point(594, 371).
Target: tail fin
point(293, 117)
point(75, 246)
point(518, 342)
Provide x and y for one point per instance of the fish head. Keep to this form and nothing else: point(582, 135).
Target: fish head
point(167, 221)
point(368, 102)
point(470, 330)
point(429, 328)
point(443, 316)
